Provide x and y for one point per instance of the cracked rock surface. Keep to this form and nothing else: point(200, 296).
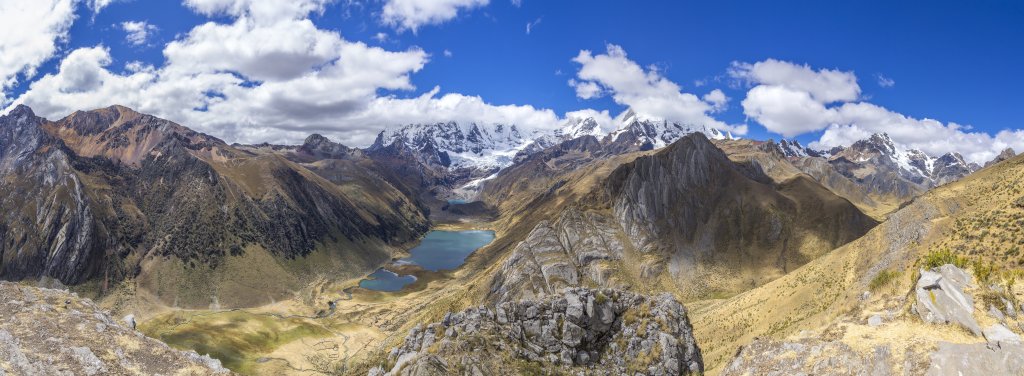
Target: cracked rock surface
point(580, 331)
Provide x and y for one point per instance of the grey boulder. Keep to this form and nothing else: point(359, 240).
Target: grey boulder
point(941, 298)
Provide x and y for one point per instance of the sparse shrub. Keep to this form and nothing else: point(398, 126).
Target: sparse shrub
point(882, 279)
point(941, 257)
point(600, 298)
point(983, 271)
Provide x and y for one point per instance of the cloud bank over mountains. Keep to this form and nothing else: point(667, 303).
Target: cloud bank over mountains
point(258, 71)
point(792, 99)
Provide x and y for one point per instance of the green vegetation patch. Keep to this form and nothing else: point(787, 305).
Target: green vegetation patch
point(236, 338)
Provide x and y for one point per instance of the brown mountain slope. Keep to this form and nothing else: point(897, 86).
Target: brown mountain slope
point(769, 157)
point(192, 220)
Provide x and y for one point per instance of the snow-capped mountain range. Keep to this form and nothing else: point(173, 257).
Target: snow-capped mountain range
point(488, 148)
point(880, 152)
point(460, 146)
point(477, 152)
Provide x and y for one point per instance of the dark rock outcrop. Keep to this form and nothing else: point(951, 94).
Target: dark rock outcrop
point(320, 147)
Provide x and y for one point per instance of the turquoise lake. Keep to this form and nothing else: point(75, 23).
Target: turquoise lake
point(439, 250)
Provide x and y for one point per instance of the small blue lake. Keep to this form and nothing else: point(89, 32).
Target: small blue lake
point(386, 280)
point(456, 202)
point(439, 250)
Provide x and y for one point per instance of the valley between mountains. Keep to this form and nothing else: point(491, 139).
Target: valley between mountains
point(448, 248)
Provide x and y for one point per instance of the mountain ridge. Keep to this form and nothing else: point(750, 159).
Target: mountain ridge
point(148, 195)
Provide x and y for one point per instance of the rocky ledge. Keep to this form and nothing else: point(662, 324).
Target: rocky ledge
point(53, 332)
point(580, 331)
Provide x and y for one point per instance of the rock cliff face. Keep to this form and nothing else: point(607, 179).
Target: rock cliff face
point(52, 332)
point(580, 331)
point(48, 227)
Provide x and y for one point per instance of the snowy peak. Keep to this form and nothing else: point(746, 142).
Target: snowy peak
point(579, 127)
point(915, 165)
point(793, 149)
point(654, 133)
point(628, 117)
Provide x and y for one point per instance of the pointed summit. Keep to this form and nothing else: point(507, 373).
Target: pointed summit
point(321, 146)
point(579, 127)
point(22, 110)
point(1006, 154)
point(628, 117)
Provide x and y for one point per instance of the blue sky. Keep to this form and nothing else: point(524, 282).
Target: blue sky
point(954, 62)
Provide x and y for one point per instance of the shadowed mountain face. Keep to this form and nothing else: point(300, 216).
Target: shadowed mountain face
point(687, 215)
point(48, 226)
point(112, 194)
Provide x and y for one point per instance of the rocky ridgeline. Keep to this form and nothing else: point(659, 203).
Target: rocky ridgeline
point(53, 332)
point(580, 331)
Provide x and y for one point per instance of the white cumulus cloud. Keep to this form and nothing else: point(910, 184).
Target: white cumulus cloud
point(824, 85)
point(33, 31)
point(646, 91)
point(717, 99)
point(258, 11)
point(412, 14)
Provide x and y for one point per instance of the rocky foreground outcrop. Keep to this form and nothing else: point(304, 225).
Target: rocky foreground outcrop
point(53, 332)
point(943, 301)
point(581, 331)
